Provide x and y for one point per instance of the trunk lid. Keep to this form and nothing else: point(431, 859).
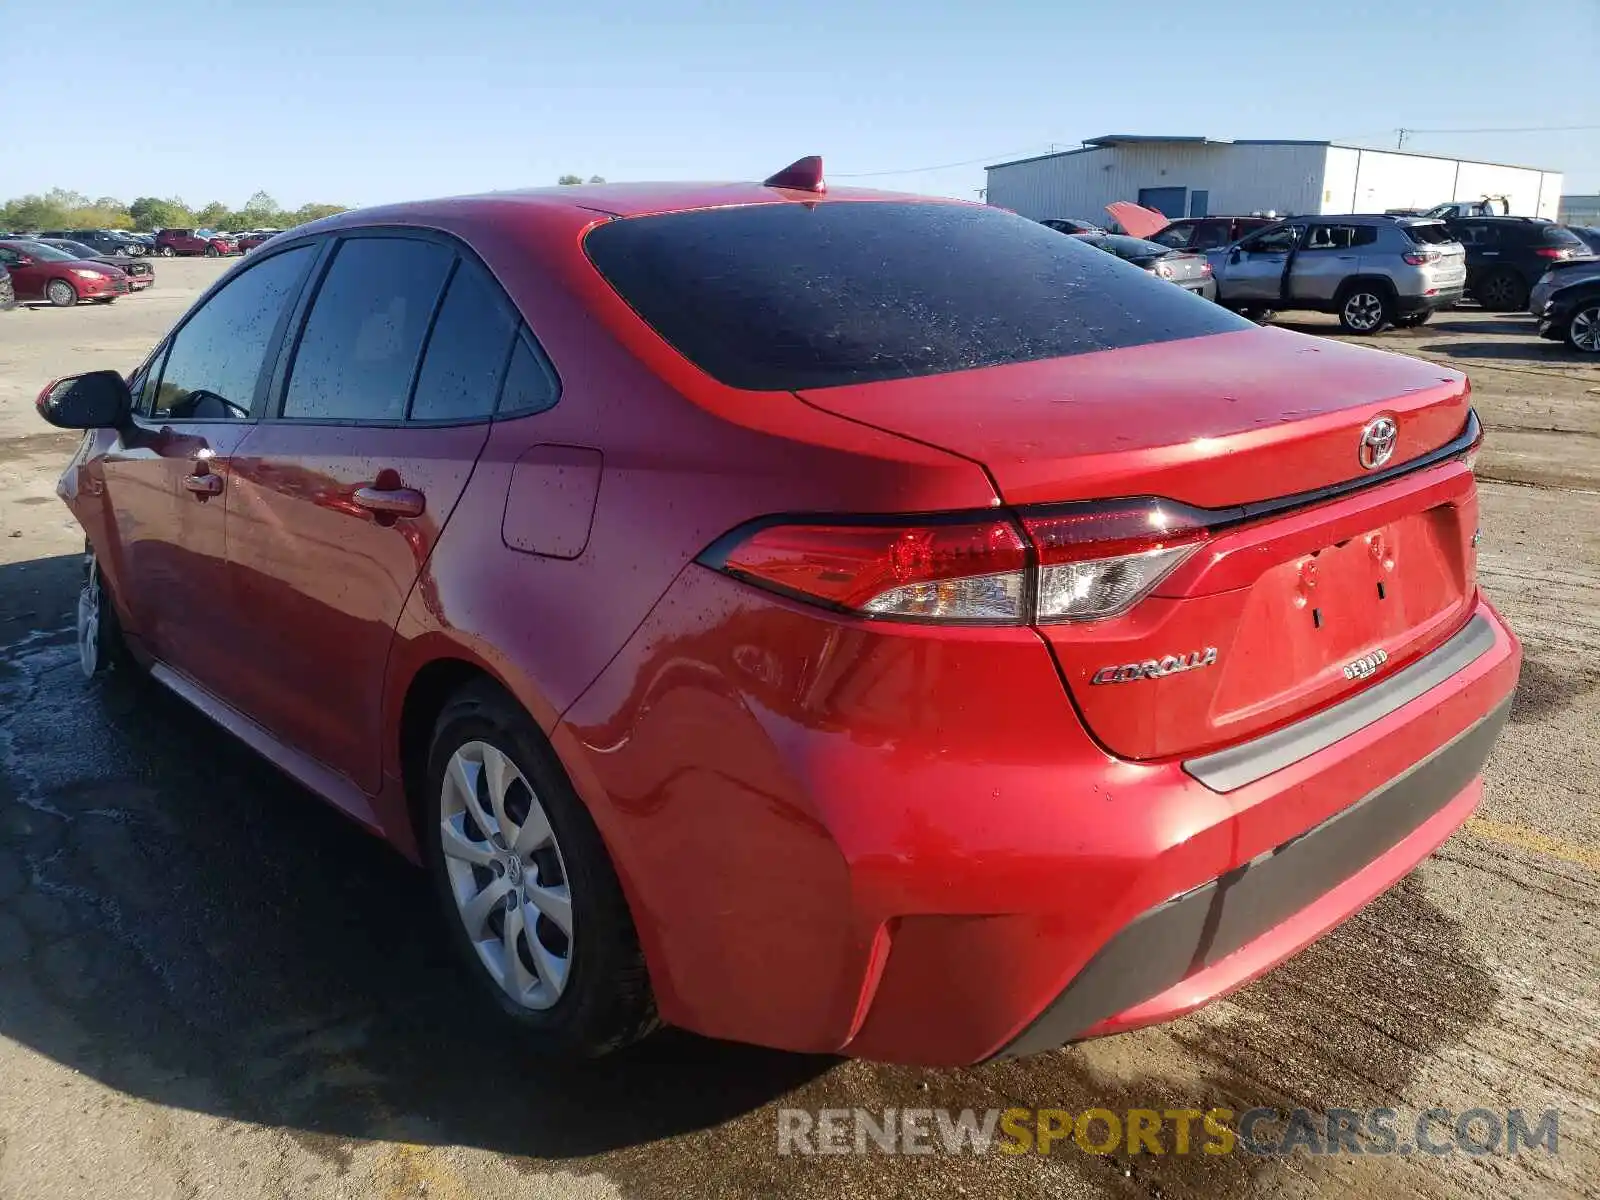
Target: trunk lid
point(1272, 618)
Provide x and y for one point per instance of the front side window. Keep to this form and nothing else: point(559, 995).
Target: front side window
point(364, 335)
point(216, 358)
point(1273, 241)
point(1213, 235)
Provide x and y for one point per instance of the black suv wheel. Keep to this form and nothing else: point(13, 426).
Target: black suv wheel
point(1503, 291)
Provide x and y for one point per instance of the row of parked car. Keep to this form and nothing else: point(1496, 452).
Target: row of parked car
point(68, 267)
point(166, 243)
point(65, 272)
point(1373, 272)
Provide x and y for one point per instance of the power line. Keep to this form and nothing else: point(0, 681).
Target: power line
point(987, 158)
point(1508, 129)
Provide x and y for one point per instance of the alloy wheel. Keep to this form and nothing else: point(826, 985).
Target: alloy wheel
point(1584, 331)
point(507, 875)
point(61, 293)
point(1363, 311)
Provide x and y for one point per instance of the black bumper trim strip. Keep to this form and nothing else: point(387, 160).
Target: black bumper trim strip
point(1225, 770)
point(1204, 925)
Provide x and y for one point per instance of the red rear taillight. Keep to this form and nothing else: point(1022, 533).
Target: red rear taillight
point(942, 572)
point(1554, 252)
point(1421, 258)
point(1100, 560)
point(1074, 563)
point(1205, 267)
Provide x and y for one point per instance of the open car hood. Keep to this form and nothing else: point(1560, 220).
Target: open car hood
point(1136, 220)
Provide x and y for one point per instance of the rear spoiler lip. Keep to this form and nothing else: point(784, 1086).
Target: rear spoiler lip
point(715, 555)
point(1222, 518)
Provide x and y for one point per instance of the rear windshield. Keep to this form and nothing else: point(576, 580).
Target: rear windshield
point(788, 296)
point(1560, 235)
point(1127, 247)
point(1430, 234)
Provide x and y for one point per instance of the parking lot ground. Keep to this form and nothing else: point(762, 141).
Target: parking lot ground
point(212, 985)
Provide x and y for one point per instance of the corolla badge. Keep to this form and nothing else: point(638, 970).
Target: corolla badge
point(1156, 668)
point(1377, 442)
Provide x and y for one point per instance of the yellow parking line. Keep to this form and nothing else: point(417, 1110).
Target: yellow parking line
point(1537, 843)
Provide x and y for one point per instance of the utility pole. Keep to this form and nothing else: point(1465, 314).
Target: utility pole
point(1400, 141)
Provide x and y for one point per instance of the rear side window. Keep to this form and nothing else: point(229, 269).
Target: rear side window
point(1558, 235)
point(364, 334)
point(214, 361)
point(466, 355)
point(788, 296)
point(1432, 234)
point(530, 385)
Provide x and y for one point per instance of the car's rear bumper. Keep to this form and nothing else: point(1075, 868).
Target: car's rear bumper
point(1191, 949)
point(1443, 298)
point(900, 844)
point(1200, 287)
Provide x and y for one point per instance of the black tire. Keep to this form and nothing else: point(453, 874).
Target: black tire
point(1503, 290)
point(1261, 316)
point(102, 649)
point(606, 1002)
point(1583, 330)
point(168, 252)
point(1365, 309)
point(211, 251)
point(1413, 320)
point(61, 293)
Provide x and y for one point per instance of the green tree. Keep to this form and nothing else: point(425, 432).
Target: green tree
point(65, 200)
point(312, 212)
point(596, 179)
point(213, 215)
point(151, 212)
point(569, 180)
point(30, 212)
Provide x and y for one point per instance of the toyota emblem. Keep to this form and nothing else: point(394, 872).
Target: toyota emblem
point(1377, 442)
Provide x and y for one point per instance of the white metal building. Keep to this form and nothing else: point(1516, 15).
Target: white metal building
point(1196, 176)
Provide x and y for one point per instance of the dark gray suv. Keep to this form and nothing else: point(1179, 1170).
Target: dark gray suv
point(1372, 271)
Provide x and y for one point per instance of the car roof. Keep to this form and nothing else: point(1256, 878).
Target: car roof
point(612, 200)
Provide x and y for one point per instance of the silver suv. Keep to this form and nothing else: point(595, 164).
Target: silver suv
point(1372, 271)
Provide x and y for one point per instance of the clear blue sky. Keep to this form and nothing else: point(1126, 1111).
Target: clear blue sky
point(409, 98)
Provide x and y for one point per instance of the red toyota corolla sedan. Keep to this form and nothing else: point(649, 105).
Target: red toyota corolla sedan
point(835, 620)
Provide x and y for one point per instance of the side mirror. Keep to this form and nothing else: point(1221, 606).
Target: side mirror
point(1233, 255)
point(22, 260)
point(97, 400)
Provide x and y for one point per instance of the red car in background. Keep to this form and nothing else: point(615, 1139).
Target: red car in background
point(840, 621)
point(140, 273)
point(41, 272)
point(172, 242)
point(249, 241)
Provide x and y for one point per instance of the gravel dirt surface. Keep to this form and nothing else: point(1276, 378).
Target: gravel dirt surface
point(212, 985)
